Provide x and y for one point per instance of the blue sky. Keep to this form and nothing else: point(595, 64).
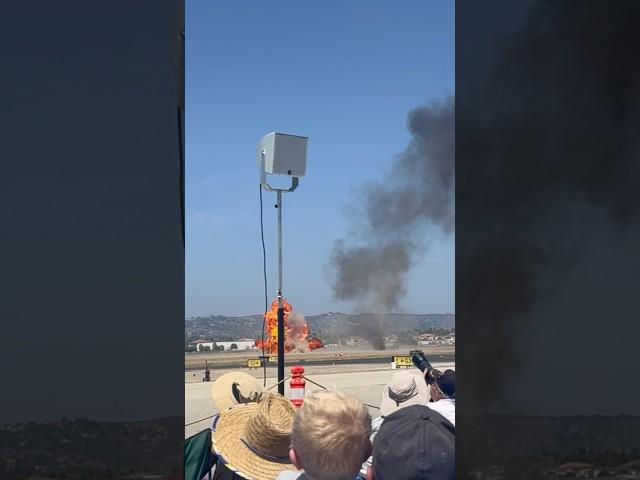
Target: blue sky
point(345, 74)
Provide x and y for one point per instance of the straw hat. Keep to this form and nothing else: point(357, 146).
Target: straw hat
point(234, 388)
point(403, 390)
point(253, 439)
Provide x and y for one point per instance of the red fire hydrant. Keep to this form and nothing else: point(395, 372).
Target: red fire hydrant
point(297, 386)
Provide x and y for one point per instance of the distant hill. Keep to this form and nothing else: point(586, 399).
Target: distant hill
point(326, 326)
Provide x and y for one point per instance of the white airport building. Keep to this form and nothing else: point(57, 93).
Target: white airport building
point(242, 344)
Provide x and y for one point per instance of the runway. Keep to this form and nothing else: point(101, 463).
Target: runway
point(363, 381)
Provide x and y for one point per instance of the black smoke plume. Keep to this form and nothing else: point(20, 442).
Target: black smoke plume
point(418, 193)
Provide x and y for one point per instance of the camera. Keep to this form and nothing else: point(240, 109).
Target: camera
point(420, 361)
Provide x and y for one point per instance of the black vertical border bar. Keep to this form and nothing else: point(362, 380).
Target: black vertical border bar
point(92, 244)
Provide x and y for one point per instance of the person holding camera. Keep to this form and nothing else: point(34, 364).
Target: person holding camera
point(443, 394)
point(442, 387)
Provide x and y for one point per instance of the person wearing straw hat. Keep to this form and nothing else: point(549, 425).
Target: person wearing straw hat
point(231, 389)
point(227, 391)
point(252, 439)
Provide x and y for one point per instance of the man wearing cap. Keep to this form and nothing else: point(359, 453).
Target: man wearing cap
point(414, 443)
point(443, 394)
point(404, 389)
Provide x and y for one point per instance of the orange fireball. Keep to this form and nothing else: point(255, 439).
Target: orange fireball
point(296, 331)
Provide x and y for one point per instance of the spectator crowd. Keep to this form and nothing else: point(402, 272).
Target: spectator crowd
point(261, 436)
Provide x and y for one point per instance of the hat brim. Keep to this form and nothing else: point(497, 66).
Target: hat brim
point(227, 443)
point(388, 406)
point(222, 394)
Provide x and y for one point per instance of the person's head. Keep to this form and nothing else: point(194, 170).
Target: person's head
point(253, 439)
point(414, 443)
point(235, 388)
point(404, 389)
point(444, 386)
point(330, 437)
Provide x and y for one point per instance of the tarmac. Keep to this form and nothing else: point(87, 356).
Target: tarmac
point(324, 356)
point(364, 381)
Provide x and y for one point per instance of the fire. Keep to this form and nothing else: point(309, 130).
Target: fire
point(315, 343)
point(296, 331)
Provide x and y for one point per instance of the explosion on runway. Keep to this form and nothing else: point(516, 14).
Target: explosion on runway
point(296, 332)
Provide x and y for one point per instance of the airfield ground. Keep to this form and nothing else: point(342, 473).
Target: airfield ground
point(238, 359)
point(364, 379)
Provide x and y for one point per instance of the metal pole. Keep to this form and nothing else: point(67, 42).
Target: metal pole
point(279, 207)
point(280, 302)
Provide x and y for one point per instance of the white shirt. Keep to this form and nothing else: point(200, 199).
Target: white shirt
point(291, 475)
point(375, 426)
point(446, 407)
